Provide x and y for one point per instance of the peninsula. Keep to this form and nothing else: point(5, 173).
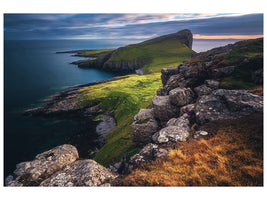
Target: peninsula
point(190, 119)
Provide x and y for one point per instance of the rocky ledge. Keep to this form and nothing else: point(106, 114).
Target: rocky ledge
point(60, 166)
point(192, 95)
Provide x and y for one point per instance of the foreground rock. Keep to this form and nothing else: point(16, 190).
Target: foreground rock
point(149, 153)
point(81, 173)
point(44, 165)
point(163, 109)
point(60, 167)
point(227, 104)
point(173, 134)
point(143, 127)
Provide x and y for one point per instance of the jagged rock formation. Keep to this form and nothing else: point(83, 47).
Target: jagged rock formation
point(191, 96)
point(59, 167)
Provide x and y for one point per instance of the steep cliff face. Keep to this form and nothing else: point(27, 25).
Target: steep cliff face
point(165, 50)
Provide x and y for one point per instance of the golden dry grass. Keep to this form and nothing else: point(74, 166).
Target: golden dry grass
point(233, 156)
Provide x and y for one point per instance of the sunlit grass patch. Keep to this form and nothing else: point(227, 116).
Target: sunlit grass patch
point(124, 98)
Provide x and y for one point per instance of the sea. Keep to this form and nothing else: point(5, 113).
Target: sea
point(33, 72)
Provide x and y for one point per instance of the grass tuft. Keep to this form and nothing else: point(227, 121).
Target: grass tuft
point(232, 157)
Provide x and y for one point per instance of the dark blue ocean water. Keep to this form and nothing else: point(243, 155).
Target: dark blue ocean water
point(33, 72)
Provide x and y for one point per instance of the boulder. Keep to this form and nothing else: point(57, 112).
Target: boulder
point(80, 173)
point(149, 153)
point(44, 165)
point(211, 107)
point(202, 90)
point(182, 121)
point(189, 109)
point(173, 82)
point(227, 104)
point(161, 92)
point(144, 114)
point(166, 73)
point(143, 127)
point(241, 101)
point(163, 110)
point(181, 96)
point(172, 134)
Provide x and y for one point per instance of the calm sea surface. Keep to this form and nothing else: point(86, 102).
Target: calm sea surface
point(33, 72)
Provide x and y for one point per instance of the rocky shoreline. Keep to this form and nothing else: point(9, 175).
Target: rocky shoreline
point(192, 95)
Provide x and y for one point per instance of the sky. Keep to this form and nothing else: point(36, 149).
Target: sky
point(131, 26)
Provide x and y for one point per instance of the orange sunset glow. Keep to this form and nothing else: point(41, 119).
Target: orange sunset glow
point(244, 37)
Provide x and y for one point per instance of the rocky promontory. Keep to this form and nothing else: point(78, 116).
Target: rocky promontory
point(137, 56)
point(216, 85)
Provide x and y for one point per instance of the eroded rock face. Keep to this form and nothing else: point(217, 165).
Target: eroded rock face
point(80, 173)
point(181, 96)
point(172, 134)
point(163, 110)
point(143, 128)
point(227, 104)
point(149, 153)
point(44, 165)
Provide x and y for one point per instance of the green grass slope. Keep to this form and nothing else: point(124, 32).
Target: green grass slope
point(124, 97)
point(162, 52)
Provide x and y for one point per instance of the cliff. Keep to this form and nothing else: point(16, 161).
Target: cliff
point(212, 92)
point(150, 55)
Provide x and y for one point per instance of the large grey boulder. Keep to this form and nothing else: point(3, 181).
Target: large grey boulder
point(182, 121)
point(44, 165)
point(143, 127)
point(181, 96)
point(80, 173)
point(227, 104)
point(163, 110)
point(173, 82)
point(173, 134)
point(149, 153)
point(241, 101)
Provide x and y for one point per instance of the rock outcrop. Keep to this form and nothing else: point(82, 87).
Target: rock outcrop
point(60, 167)
point(191, 96)
point(80, 173)
point(44, 165)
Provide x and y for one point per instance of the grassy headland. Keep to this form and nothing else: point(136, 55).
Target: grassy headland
point(150, 56)
point(124, 98)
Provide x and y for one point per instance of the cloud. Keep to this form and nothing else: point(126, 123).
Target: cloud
point(130, 25)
